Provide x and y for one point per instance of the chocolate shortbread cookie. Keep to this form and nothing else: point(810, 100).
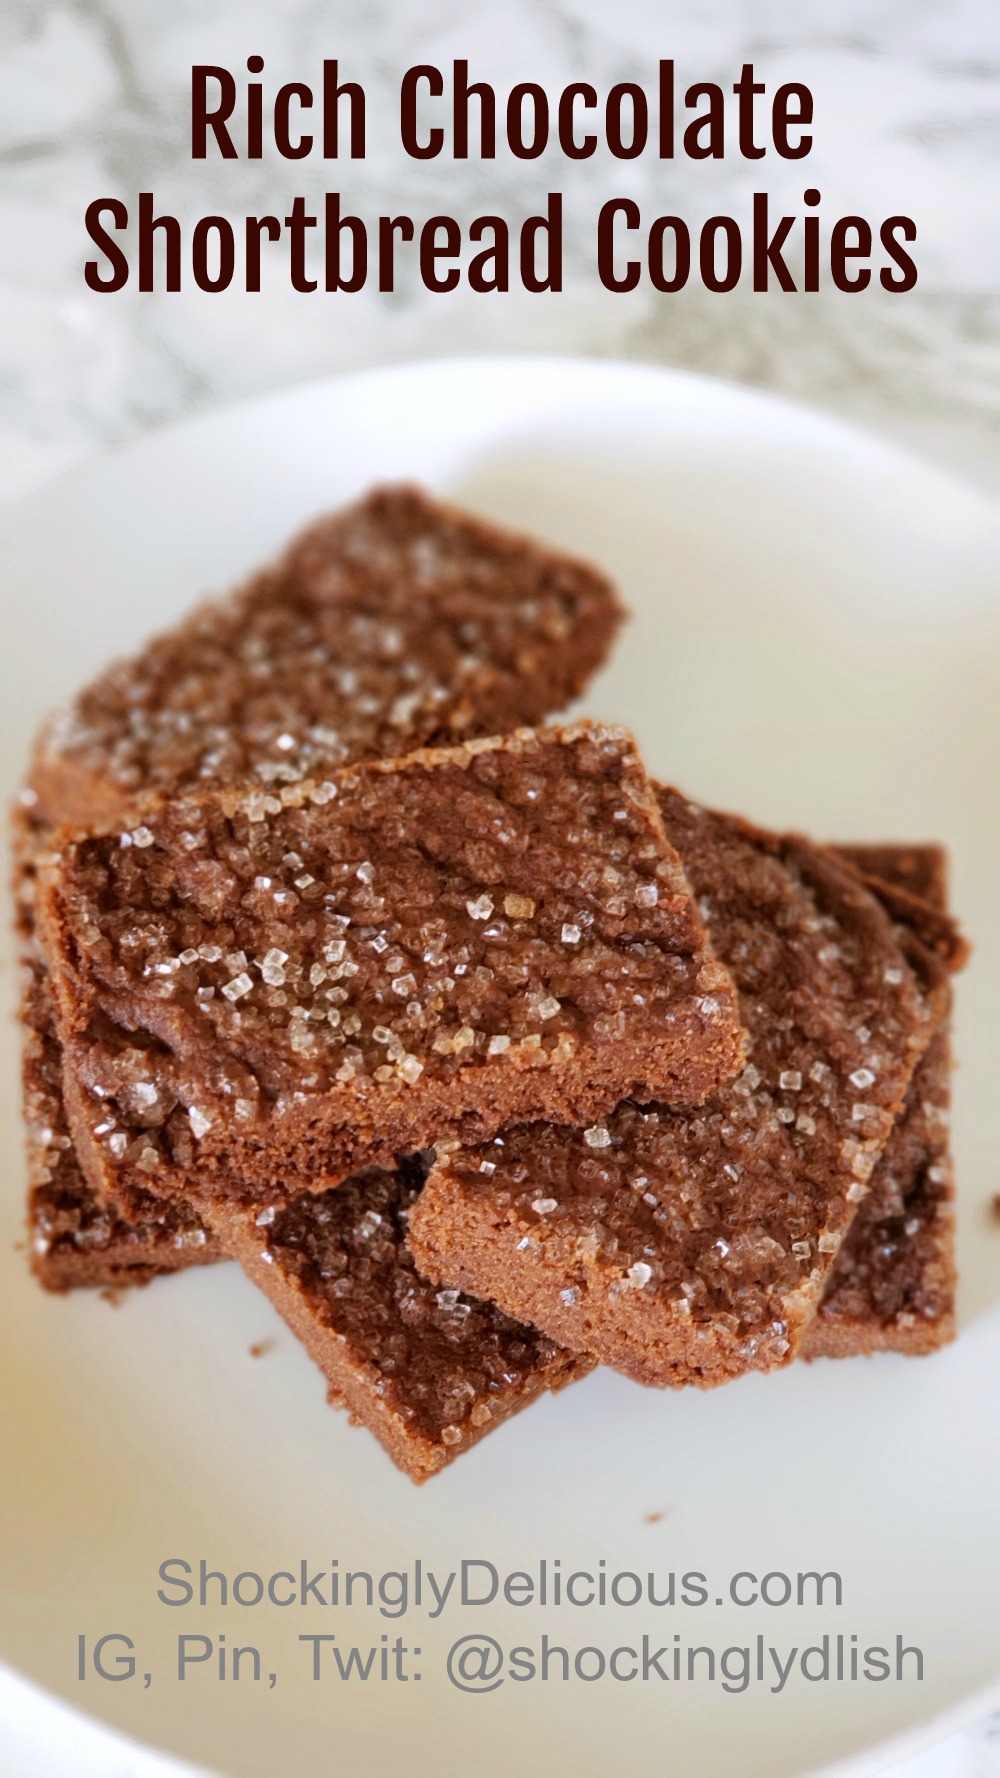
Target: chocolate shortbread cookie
point(893, 1285)
point(891, 1288)
point(396, 623)
point(691, 1247)
point(261, 993)
point(430, 1372)
point(392, 623)
point(75, 1240)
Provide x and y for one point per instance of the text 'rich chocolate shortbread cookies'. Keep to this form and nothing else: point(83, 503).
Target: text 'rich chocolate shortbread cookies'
point(397, 623)
point(691, 1247)
point(260, 993)
point(428, 1371)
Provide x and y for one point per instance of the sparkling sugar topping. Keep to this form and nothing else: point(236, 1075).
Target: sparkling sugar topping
point(446, 1364)
point(353, 941)
point(728, 1213)
point(396, 623)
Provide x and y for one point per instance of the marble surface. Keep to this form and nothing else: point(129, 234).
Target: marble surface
point(94, 102)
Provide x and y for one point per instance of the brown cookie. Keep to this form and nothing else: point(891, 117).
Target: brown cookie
point(397, 623)
point(428, 1371)
point(691, 1247)
point(893, 1285)
point(254, 988)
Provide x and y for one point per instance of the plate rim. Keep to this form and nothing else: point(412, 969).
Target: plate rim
point(772, 401)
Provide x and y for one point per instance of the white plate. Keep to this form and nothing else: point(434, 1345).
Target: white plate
point(816, 641)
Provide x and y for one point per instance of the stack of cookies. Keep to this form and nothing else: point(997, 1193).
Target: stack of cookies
point(487, 1057)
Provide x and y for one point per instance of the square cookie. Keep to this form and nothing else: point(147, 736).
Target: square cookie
point(254, 988)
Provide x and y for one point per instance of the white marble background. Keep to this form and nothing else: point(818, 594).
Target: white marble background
point(94, 102)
